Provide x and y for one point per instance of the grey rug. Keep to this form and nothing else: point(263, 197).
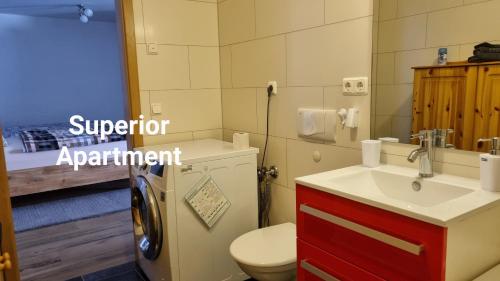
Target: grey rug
point(71, 208)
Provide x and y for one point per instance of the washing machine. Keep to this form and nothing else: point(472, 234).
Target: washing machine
point(173, 241)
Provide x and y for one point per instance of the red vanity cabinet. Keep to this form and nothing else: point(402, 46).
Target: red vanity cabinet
point(341, 239)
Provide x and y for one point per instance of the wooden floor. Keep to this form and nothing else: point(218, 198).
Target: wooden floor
point(74, 249)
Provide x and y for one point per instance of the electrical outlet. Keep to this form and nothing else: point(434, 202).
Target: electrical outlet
point(275, 86)
point(361, 86)
point(152, 48)
point(355, 86)
point(348, 85)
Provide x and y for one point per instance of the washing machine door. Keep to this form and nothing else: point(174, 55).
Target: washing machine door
point(147, 219)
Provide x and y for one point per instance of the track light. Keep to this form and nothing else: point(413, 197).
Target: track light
point(85, 13)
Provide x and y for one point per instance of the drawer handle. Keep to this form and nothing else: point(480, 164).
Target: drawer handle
point(363, 230)
point(316, 271)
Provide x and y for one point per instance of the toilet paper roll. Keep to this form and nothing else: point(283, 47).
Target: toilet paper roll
point(241, 140)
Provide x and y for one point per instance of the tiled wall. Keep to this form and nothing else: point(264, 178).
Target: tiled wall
point(409, 34)
point(184, 77)
point(308, 46)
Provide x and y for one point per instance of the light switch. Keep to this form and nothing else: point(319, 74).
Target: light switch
point(152, 48)
point(156, 108)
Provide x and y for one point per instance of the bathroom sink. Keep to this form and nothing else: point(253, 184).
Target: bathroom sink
point(438, 200)
point(405, 188)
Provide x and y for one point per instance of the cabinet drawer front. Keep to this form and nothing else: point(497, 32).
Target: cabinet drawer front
point(316, 265)
point(389, 245)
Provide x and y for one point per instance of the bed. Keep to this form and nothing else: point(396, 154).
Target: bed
point(32, 167)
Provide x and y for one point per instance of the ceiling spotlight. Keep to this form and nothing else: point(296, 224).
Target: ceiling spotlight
point(84, 18)
point(85, 13)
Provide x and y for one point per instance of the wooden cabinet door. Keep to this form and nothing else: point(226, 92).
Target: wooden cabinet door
point(443, 98)
point(7, 243)
point(487, 106)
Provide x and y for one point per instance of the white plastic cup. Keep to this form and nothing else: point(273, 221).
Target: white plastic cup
point(371, 152)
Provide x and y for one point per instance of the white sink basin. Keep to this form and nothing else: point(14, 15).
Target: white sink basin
point(407, 189)
point(438, 200)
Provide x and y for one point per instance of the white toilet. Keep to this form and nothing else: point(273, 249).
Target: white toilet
point(268, 254)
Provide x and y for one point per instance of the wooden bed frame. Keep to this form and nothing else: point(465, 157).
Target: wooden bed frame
point(36, 180)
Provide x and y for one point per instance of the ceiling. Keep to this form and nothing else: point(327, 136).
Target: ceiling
point(104, 10)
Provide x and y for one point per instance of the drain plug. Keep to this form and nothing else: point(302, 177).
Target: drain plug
point(417, 186)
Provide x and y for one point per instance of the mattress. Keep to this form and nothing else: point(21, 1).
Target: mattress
point(16, 159)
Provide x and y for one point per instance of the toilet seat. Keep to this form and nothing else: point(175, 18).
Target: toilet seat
point(273, 246)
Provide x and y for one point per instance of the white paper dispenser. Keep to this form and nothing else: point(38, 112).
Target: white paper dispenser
point(317, 123)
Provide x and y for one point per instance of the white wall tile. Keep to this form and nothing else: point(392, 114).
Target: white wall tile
point(411, 7)
point(280, 16)
point(317, 57)
point(169, 69)
point(256, 62)
point(181, 22)
point(340, 10)
point(406, 60)
point(383, 125)
point(236, 21)
point(204, 67)
point(189, 110)
point(239, 109)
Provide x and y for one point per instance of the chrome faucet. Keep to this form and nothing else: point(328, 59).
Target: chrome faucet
point(425, 152)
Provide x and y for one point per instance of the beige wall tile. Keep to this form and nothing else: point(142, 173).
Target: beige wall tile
point(465, 24)
point(138, 22)
point(181, 22)
point(411, 7)
point(401, 128)
point(169, 69)
point(387, 10)
point(406, 60)
point(189, 110)
point(301, 163)
point(275, 155)
point(383, 126)
point(339, 10)
point(283, 109)
point(208, 134)
point(433, 5)
point(317, 57)
point(256, 62)
point(346, 137)
point(283, 205)
point(385, 68)
point(145, 105)
point(395, 99)
point(239, 109)
point(204, 67)
point(280, 16)
point(225, 67)
point(169, 138)
point(402, 34)
point(236, 21)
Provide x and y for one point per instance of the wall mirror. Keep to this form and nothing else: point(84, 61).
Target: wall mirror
point(430, 70)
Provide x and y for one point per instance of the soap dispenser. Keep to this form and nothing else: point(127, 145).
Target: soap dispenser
point(490, 166)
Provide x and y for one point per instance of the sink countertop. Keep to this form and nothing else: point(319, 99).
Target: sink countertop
point(473, 200)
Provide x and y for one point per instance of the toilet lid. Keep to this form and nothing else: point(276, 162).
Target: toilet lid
point(267, 247)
